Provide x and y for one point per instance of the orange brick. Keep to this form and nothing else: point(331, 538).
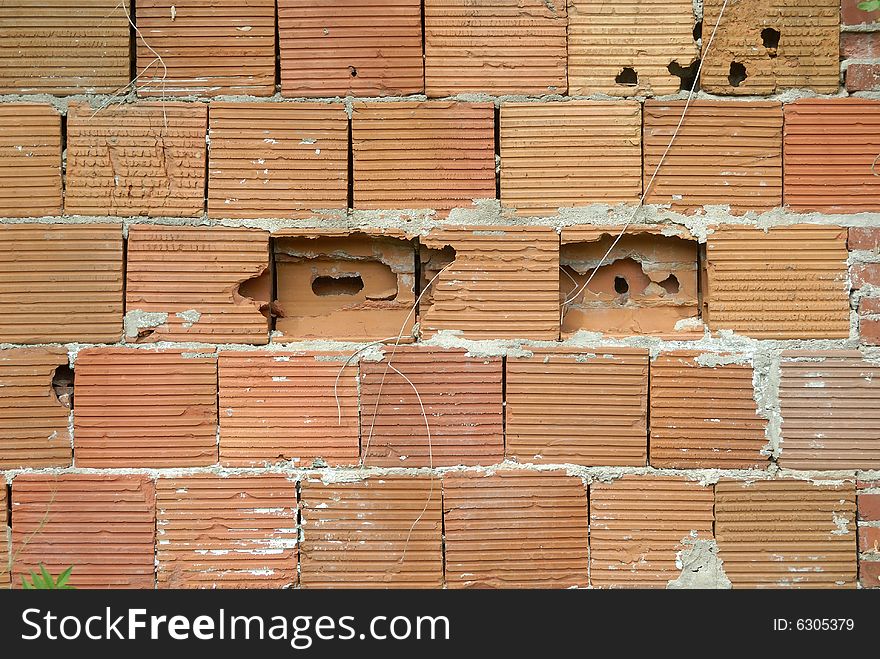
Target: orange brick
point(515, 529)
point(102, 525)
point(145, 408)
point(5, 577)
point(30, 159)
point(226, 532)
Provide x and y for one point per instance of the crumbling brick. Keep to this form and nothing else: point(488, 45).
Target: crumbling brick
point(425, 407)
point(569, 154)
point(380, 532)
point(30, 160)
point(350, 48)
point(141, 159)
point(61, 283)
point(495, 46)
point(515, 529)
point(102, 525)
point(197, 284)
point(226, 532)
point(288, 406)
point(145, 408)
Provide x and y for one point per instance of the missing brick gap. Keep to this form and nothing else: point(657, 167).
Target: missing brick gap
point(737, 74)
point(132, 42)
point(62, 385)
point(300, 530)
point(337, 284)
point(686, 74)
point(627, 77)
point(432, 261)
point(770, 39)
point(273, 292)
point(277, 51)
point(698, 31)
point(497, 131)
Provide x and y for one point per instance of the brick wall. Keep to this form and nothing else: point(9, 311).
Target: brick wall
point(364, 294)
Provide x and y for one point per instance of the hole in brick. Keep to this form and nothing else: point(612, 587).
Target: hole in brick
point(688, 74)
point(620, 285)
point(698, 30)
point(353, 71)
point(258, 289)
point(670, 285)
point(627, 77)
point(337, 285)
point(432, 261)
point(737, 75)
point(62, 385)
point(770, 39)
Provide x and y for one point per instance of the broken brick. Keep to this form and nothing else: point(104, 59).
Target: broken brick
point(141, 159)
point(495, 46)
point(863, 77)
point(30, 160)
point(380, 532)
point(515, 529)
point(61, 283)
point(350, 48)
point(559, 411)
point(197, 284)
point(226, 532)
point(284, 406)
point(425, 407)
point(101, 525)
point(145, 408)
point(5, 557)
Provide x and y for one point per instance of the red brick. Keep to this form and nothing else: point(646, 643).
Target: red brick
point(869, 539)
point(863, 238)
point(869, 330)
point(869, 574)
point(860, 45)
point(867, 485)
point(862, 77)
point(852, 15)
point(869, 305)
point(869, 507)
point(865, 274)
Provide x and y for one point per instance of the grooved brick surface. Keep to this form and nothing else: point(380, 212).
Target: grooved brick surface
point(5, 576)
point(30, 160)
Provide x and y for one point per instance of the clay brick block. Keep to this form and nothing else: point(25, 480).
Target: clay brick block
point(580, 408)
point(869, 331)
point(145, 408)
point(648, 283)
point(350, 48)
point(197, 284)
point(865, 274)
point(30, 159)
point(226, 532)
point(142, 159)
point(869, 507)
point(382, 532)
point(515, 529)
point(205, 47)
point(869, 539)
point(786, 533)
point(5, 558)
point(704, 414)
point(570, 154)
point(60, 283)
point(33, 419)
point(645, 36)
point(860, 45)
point(863, 77)
point(495, 46)
point(869, 574)
point(283, 406)
point(102, 525)
point(817, 394)
point(725, 153)
point(863, 238)
point(642, 527)
point(70, 47)
point(852, 15)
point(277, 160)
point(461, 396)
point(830, 147)
point(781, 45)
point(344, 285)
point(498, 282)
point(787, 283)
point(434, 154)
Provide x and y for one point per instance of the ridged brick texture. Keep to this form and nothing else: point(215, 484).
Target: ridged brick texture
point(102, 525)
point(704, 415)
point(145, 408)
point(786, 283)
point(5, 556)
point(569, 154)
point(605, 37)
point(503, 283)
point(830, 416)
point(786, 534)
point(427, 407)
point(60, 283)
point(580, 408)
point(30, 159)
point(381, 532)
point(515, 529)
point(277, 160)
point(435, 154)
point(205, 47)
point(33, 421)
point(495, 46)
point(69, 47)
point(640, 524)
point(197, 280)
point(142, 159)
point(226, 532)
point(831, 147)
point(283, 407)
point(726, 153)
point(805, 55)
point(350, 47)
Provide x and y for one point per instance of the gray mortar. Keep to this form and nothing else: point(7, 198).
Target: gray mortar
point(189, 317)
point(700, 566)
point(136, 320)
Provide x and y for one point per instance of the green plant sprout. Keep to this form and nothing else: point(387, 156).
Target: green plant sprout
point(869, 5)
point(45, 581)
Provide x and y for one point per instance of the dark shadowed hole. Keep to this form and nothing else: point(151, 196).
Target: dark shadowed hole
point(342, 285)
point(688, 74)
point(698, 30)
point(770, 38)
point(670, 285)
point(627, 76)
point(737, 74)
point(62, 385)
point(353, 71)
point(620, 285)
